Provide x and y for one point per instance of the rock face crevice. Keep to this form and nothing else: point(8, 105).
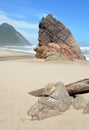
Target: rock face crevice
point(55, 38)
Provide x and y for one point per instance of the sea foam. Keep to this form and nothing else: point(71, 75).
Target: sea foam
point(19, 48)
point(85, 51)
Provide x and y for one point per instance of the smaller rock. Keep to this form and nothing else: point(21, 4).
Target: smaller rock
point(35, 111)
point(54, 101)
point(78, 103)
point(86, 109)
point(81, 101)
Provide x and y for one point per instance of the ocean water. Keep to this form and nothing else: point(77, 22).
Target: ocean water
point(19, 48)
point(84, 49)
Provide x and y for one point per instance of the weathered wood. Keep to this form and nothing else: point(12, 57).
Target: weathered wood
point(79, 87)
point(37, 92)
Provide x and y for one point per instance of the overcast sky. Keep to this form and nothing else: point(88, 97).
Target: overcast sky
point(25, 16)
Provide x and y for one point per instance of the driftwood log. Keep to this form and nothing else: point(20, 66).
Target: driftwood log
point(79, 87)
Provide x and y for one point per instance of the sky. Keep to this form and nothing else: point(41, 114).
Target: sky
point(25, 16)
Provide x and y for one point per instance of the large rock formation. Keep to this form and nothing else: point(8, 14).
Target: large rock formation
point(56, 41)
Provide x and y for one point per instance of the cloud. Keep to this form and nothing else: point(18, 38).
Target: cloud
point(19, 16)
point(2, 12)
point(16, 23)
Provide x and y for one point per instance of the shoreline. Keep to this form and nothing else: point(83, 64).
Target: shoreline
point(5, 53)
point(15, 55)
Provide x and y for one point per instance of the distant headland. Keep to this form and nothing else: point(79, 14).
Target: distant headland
point(10, 37)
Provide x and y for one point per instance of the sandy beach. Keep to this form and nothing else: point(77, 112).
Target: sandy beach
point(18, 77)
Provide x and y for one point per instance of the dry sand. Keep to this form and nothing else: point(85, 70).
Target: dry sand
point(18, 77)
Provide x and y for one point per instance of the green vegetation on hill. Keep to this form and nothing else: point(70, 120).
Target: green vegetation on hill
point(10, 37)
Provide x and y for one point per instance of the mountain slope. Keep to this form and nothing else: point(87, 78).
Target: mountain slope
point(10, 37)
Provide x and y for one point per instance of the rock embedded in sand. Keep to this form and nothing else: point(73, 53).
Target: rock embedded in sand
point(81, 101)
point(56, 41)
point(86, 109)
point(55, 101)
